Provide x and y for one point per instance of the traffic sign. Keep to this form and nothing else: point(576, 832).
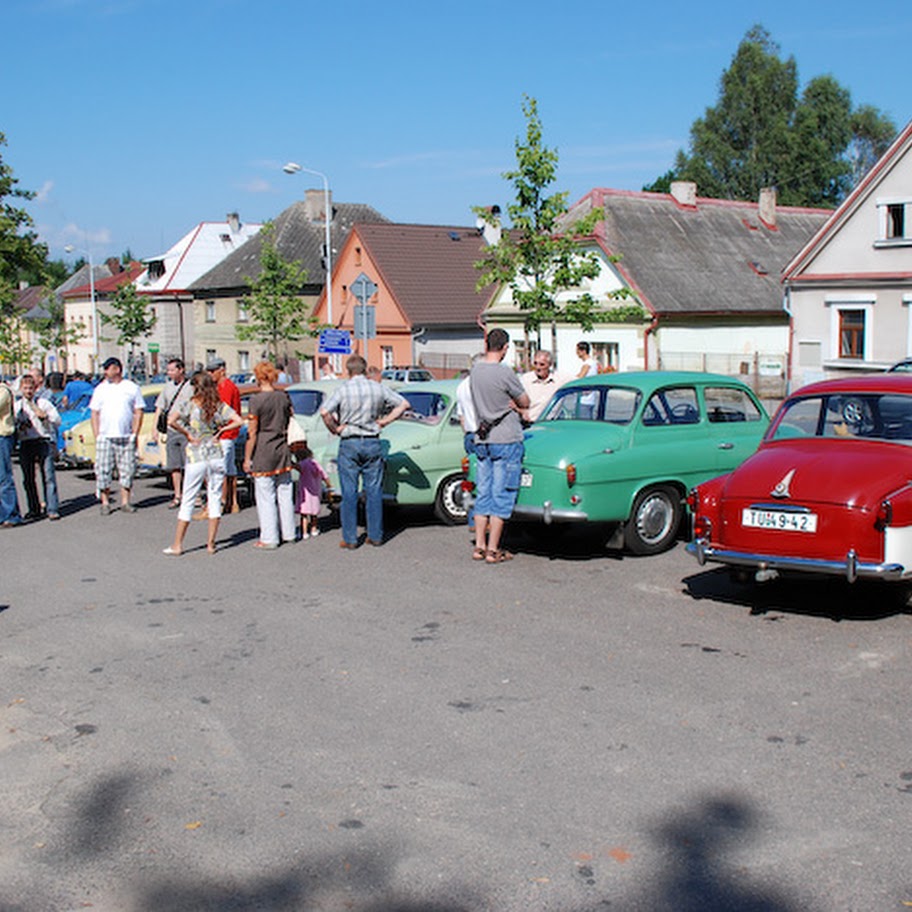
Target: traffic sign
point(335, 342)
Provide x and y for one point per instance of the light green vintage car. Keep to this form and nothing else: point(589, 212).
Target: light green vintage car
point(626, 448)
point(424, 452)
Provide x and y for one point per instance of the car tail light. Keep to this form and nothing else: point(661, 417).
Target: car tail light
point(465, 465)
point(468, 485)
point(571, 474)
point(693, 501)
point(702, 527)
point(884, 514)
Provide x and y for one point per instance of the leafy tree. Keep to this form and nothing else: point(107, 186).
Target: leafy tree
point(760, 133)
point(275, 312)
point(15, 352)
point(129, 316)
point(20, 251)
point(53, 332)
point(541, 257)
point(872, 133)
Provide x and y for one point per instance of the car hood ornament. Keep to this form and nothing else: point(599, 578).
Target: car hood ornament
point(782, 489)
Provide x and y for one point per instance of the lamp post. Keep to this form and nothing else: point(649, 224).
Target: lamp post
point(93, 311)
point(294, 168)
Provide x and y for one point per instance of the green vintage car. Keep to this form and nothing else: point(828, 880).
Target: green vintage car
point(424, 452)
point(626, 448)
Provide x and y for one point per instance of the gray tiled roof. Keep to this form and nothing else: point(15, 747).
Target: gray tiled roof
point(716, 257)
point(297, 237)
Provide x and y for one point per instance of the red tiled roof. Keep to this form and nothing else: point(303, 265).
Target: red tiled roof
point(109, 284)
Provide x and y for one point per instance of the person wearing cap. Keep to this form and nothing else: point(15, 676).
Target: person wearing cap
point(117, 413)
point(231, 396)
point(174, 398)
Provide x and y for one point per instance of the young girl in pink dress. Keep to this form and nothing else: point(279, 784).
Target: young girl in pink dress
point(311, 476)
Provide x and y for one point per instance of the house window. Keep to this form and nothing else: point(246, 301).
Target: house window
point(607, 355)
point(210, 311)
point(386, 353)
point(156, 269)
point(210, 355)
point(851, 333)
point(242, 315)
point(896, 221)
point(244, 361)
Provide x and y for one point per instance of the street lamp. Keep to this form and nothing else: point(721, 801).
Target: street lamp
point(294, 168)
point(93, 312)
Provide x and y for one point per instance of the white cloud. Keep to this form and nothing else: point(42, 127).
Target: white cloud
point(42, 195)
point(257, 185)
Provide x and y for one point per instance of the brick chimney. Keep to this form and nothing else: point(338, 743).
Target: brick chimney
point(313, 206)
point(684, 193)
point(768, 206)
point(114, 265)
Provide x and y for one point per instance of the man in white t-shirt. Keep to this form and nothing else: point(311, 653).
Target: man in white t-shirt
point(117, 412)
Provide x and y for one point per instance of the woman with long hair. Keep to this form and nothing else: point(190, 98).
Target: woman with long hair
point(202, 421)
point(268, 458)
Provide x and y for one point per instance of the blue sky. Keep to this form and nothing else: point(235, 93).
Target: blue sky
point(136, 119)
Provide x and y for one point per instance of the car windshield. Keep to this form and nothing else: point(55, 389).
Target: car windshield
point(149, 400)
point(614, 404)
point(872, 416)
point(428, 408)
point(306, 402)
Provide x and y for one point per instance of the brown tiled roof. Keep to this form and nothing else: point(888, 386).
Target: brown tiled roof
point(714, 257)
point(430, 270)
point(297, 237)
point(27, 298)
point(107, 284)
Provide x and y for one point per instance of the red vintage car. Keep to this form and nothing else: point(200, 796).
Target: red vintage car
point(828, 491)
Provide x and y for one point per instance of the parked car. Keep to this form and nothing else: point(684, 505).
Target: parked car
point(423, 449)
point(828, 491)
point(407, 374)
point(901, 367)
point(625, 448)
point(80, 439)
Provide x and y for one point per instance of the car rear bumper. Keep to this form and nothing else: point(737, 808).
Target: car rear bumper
point(547, 514)
point(851, 568)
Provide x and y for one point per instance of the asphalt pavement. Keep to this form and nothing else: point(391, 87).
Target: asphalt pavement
point(401, 729)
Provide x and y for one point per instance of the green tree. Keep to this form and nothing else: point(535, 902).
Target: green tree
point(541, 257)
point(129, 316)
point(53, 333)
point(760, 133)
point(276, 314)
point(872, 133)
point(15, 352)
point(20, 251)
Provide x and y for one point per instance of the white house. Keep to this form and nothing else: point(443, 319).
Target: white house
point(849, 289)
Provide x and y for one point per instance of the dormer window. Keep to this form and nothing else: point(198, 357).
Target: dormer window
point(156, 269)
point(894, 222)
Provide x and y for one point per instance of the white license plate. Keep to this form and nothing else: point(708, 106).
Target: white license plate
point(779, 519)
point(525, 480)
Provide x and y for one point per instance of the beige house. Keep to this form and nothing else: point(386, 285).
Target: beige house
point(849, 289)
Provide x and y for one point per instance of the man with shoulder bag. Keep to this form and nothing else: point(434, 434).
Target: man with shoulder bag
point(175, 395)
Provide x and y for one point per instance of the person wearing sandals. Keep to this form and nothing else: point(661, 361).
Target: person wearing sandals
point(268, 458)
point(174, 396)
point(499, 397)
point(202, 421)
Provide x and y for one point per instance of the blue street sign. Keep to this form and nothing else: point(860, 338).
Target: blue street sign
point(335, 342)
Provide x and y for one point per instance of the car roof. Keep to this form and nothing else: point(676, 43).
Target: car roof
point(430, 386)
point(867, 383)
point(648, 381)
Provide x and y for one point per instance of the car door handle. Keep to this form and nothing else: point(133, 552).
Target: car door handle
point(726, 446)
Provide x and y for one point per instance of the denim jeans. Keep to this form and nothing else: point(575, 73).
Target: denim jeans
point(275, 507)
point(9, 500)
point(498, 470)
point(468, 444)
point(361, 457)
point(39, 455)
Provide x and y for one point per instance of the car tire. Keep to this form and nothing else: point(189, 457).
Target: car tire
point(654, 520)
point(449, 505)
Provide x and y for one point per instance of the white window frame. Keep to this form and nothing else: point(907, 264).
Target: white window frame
point(883, 208)
point(840, 303)
point(210, 311)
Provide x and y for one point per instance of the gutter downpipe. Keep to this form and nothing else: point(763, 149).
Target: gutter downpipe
point(787, 307)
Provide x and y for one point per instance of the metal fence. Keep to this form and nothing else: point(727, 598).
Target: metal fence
point(763, 372)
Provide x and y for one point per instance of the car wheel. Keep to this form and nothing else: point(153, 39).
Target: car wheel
point(654, 521)
point(449, 505)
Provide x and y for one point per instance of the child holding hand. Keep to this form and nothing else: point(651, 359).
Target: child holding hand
point(311, 476)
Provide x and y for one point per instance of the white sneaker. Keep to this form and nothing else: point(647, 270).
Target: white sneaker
point(304, 535)
point(315, 533)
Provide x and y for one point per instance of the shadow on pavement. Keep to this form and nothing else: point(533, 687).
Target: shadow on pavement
point(825, 597)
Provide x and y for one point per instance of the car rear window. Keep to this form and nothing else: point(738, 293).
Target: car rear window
point(306, 402)
point(872, 416)
point(425, 407)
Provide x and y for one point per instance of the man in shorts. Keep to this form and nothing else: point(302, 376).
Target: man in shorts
point(117, 413)
point(499, 399)
point(231, 396)
point(176, 394)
